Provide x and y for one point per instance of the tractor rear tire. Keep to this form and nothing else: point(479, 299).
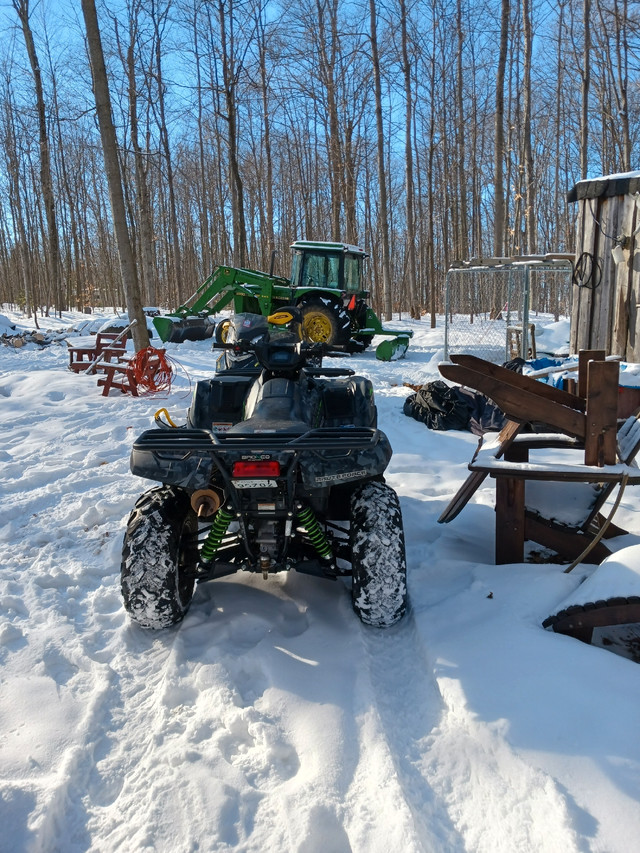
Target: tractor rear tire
point(158, 552)
point(324, 321)
point(221, 332)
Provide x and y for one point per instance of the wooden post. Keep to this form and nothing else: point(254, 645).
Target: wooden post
point(584, 357)
point(601, 413)
point(510, 511)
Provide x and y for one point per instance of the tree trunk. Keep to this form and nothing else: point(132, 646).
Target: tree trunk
point(268, 238)
point(46, 181)
point(586, 82)
point(145, 219)
point(328, 76)
point(412, 287)
point(498, 153)
point(382, 177)
point(112, 168)
point(229, 72)
point(530, 192)
point(176, 253)
point(205, 240)
point(462, 241)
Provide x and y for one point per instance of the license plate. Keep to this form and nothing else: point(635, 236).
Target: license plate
point(255, 484)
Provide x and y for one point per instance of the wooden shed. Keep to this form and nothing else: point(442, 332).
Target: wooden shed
point(605, 310)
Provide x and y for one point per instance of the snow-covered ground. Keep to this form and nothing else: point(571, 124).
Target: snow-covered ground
point(271, 719)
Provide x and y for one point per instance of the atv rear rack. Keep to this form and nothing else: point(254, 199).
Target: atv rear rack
point(189, 441)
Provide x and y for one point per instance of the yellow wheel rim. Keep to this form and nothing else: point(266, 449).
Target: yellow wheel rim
point(316, 328)
point(224, 330)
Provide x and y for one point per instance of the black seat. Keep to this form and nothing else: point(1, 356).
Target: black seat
point(277, 410)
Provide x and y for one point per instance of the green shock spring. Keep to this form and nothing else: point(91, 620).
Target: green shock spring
point(216, 534)
point(314, 532)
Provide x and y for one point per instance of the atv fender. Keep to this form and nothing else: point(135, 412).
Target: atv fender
point(178, 457)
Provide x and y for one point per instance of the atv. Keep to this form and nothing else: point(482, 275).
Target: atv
point(279, 466)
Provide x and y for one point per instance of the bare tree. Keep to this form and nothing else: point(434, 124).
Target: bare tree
point(46, 181)
point(383, 222)
point(527, 141)
point(586, 83)
point(412, 287)
point(144, 216)
point(102, 96)
point(498, 152)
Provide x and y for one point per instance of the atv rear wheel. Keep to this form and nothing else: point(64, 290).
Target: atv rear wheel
point(378, 559)
point(157, 553)
point(324, 322)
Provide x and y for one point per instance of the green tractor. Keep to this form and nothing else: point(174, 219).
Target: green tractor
point(325, 284)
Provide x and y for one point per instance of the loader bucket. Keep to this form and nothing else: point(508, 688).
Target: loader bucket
point(393, 349)
point(604, 610)
point(175, 330)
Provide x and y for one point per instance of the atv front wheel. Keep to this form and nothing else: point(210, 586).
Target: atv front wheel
point(324, 322)
point(378, 560)
point(157, 553)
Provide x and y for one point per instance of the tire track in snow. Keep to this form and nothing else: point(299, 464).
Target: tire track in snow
point(188, 739)
point(404, 705)
point(498, 801)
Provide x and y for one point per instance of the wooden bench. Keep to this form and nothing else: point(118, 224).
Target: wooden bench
point(118, 376)
point(88, 354)
point(586, 448)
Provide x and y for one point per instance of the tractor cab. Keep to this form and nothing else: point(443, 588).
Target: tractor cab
point(328, 266)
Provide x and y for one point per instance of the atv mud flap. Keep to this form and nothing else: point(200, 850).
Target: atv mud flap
point(393, 349)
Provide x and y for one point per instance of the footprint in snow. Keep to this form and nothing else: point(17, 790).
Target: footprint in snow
point(257, 747)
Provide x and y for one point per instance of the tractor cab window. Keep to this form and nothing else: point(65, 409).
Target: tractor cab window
point(351, 273)
point(320, 271)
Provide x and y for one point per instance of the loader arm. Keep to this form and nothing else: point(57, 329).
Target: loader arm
point(223, 286)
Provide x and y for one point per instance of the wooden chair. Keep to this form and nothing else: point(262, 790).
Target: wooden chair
point(472, 371)
point(557, 479)
point(89, 353)
point(586, 448)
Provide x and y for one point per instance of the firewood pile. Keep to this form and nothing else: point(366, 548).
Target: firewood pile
point(16, 340)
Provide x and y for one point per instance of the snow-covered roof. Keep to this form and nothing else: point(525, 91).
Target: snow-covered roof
point(622, 183)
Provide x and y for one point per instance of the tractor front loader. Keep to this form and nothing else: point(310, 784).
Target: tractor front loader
point(325, 285)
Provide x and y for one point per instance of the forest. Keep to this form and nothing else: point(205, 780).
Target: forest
point(425, 131)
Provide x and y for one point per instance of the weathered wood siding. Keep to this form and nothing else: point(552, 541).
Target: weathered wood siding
point(605, 309)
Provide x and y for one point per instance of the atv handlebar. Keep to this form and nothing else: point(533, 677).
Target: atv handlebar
point(308, 350)
point(284, 357)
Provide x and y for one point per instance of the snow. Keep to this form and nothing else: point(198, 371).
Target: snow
point(271, 718)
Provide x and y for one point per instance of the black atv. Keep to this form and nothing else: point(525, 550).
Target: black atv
point(278, 467)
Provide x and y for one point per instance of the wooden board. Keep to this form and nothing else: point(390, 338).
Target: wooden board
point(518, 404)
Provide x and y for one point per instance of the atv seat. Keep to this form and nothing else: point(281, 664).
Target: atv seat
point(278, 410)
